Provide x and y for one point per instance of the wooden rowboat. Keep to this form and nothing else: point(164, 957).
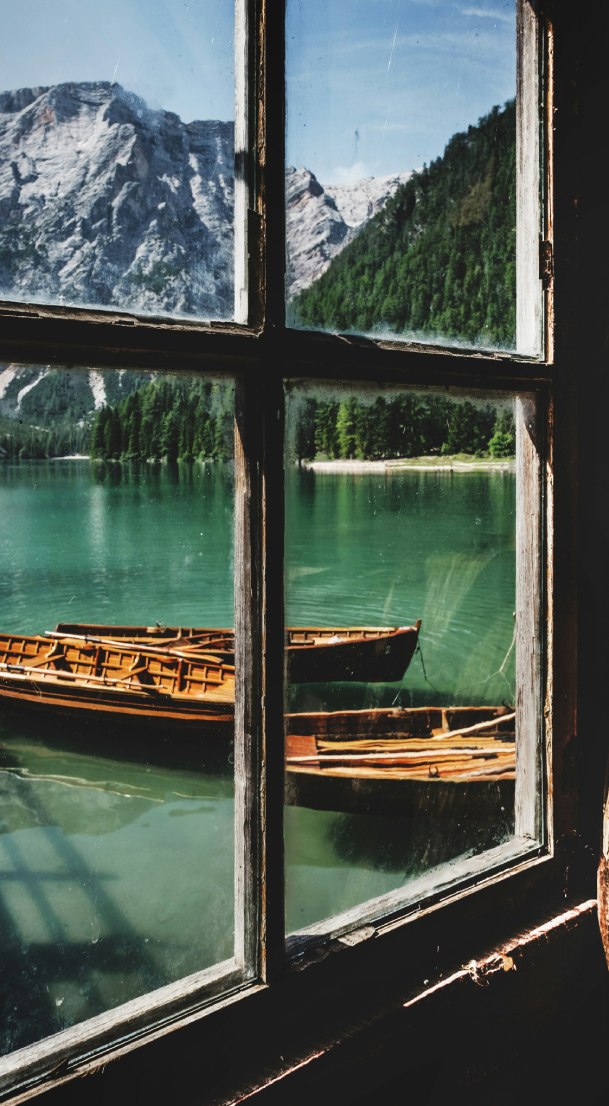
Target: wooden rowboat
point(173, 681)
point(391, 761)
point(365, 653)
point(89, 679)
point(357, 761)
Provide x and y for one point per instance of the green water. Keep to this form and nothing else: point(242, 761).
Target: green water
point(367, 549)
point(116, 858)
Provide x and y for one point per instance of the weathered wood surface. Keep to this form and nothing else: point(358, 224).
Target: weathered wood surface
point(393, 761)
point(75, 677)
point(465, 754)
point(603, 883)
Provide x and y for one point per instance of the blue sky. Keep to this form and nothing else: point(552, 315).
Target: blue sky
point(176, 55)
point(379, 86)
point(374, 86)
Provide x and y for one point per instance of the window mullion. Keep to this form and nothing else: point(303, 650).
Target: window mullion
point(248, 690)
point(242, 161)
point(259, 667)
point(273, 674)
point(530, 661)
point(272, 157)
point(530, 293)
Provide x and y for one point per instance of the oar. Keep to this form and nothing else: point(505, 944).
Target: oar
point(133, 647)
point(421, 755)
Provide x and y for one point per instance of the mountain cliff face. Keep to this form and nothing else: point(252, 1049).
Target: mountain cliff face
point(105, 202)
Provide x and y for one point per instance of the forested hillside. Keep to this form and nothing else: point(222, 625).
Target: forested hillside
point(48, 412)
point(439, 259)
point(31, 442)
point(178, 418)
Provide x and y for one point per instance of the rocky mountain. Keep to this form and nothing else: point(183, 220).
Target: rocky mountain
point(44, 395)
point(321, 221)
point(107, 203)
point(104, 202)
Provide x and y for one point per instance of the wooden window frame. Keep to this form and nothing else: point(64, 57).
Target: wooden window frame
point(274, 988)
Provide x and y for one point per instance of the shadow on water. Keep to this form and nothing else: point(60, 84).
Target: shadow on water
point(129, 741)
point(95, 825)
point(368, 696)
point(393, 850)
point(439, 824)
point(339, 859)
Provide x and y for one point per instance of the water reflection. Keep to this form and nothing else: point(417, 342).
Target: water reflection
point(389, 548)
point(115, 543)
point(370, 549)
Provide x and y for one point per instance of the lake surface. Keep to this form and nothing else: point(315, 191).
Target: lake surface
point(116, 859)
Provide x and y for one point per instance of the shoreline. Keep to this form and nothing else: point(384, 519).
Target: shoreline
point(411, 464)
point(420, 464)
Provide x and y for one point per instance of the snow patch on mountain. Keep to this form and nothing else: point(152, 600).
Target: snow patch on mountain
point(97, 384)
point(360, 201)
point(7, 376)
point(29, 387)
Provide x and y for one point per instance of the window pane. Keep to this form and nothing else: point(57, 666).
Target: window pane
point(401, 578)
point(401, 177)
point(116, 156)
point(116, 728)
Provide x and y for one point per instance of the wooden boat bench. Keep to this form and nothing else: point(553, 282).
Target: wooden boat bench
point(57, 657)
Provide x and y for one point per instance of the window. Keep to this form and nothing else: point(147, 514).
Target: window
point(103, 855)
point(433, 156)
point(140, 326)
point(401, 768)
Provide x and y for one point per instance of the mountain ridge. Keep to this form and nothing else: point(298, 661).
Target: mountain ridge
point(438, 261)
point(322, 219)
point(107, 202)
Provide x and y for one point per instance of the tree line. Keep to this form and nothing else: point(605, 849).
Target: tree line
point(20, 440)
point(186, 419)
point(401, 426)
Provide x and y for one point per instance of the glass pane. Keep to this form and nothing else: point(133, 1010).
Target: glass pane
point(401, 178)
point(116, 156)
point(400, 600)
point(116, 779)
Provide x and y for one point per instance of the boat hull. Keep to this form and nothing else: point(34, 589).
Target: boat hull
point(398, 797)
point(458, 762)
point(77, 703)
point(314, 654)
point(85, 680)
point(351, 655)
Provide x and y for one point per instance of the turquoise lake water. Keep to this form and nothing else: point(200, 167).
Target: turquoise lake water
point(116, 861)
